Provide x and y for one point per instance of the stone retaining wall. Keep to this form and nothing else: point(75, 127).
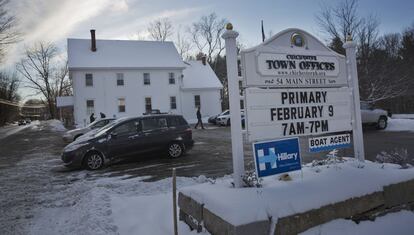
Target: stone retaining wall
point(400, 195)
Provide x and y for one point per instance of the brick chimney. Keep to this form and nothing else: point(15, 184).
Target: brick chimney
point(93, 40)
point(203, 59)
point(201, 56)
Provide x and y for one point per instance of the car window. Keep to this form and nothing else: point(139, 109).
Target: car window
point(225, 113)
point(174, 121)
point(99, 124)
point(182, 121)
point(126, 127)
point(149, 124)
point(365, 106)
point(162, 122)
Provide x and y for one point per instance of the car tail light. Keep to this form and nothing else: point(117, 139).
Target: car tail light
point(189, 132)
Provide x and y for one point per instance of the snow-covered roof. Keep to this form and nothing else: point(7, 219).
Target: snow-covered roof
point(198, 76)
point(123, 54)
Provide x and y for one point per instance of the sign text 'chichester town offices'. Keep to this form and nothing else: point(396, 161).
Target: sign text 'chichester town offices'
point(307, 85)
point(295, 86)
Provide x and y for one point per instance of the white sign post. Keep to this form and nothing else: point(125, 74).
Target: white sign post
point(234, 101)
point(350, 48)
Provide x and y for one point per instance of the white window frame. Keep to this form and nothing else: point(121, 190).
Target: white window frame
point(149, 79)
point(120, 77)
point(175, 102)
point(118, 105)
point(145, 103)
point(199, 101)
point(86, 83)
point(171, 78)
point(87, 107)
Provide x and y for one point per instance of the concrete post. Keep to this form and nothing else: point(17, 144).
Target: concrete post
point(234, 101)
point(352, 73)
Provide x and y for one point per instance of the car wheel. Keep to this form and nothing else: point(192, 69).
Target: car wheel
point(76, 137)
point(93, 161)
point(228, 122)
point(175, 150)
point(382, 123)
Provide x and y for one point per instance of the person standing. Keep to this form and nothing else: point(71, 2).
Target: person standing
point(92, 118)
point(199, 121)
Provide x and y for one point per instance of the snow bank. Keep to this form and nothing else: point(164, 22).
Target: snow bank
point(403, 116)
point(400, 125)
point(89, 204)
point(151, 214)
point(150, 210)
point(100, 204)
point(400, 223)
point(319, 186)
point(56, 125)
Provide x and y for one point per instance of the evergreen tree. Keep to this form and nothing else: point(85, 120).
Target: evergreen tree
point(337, 45)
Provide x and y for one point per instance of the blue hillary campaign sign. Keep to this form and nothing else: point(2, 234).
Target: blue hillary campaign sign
point(277, 156)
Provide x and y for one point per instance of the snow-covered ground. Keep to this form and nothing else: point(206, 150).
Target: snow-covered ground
point(395, 124)
point(123, 205)
point(82, 202)
point(403, 116)
point(319, 186)
point(113, 205)
point(13, 129)
point(400, 223)
point(57, 125)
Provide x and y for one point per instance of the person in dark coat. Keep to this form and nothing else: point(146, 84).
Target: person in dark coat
point(102, 115)
point(199, 121)
point(92, 118)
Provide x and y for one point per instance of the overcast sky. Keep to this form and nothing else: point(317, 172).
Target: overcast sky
point(56, 20)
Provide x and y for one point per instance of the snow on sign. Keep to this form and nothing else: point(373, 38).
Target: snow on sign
point(326, 143)
point(275, 157)
point(279, 113)
point(293, 58)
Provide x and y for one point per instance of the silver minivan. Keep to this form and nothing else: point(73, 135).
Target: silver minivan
point(72, 135)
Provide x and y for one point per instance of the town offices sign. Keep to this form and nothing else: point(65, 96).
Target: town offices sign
point(307, 91)
point(295, 82)
point(280, 63)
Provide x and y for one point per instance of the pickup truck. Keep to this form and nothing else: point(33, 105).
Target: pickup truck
point(373, 116)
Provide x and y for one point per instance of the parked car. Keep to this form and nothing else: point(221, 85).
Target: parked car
point(373, 116)
point(224, 120)
point(28, 121)
point(72, 135)
point(130, 137)
point(21, 122)
point(213, 119)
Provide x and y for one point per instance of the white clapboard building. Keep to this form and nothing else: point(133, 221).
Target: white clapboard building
point(128, 77)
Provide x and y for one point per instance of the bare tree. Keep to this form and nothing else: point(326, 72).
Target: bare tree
point(339, 21)
point(367, 38)
point(391, 43)
point(139, 35)
point(9, 84)
point(45, 73)
point(160, 29)
point(206, 35)
point(378, 70)
point(8, 31)
point(183, 45)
